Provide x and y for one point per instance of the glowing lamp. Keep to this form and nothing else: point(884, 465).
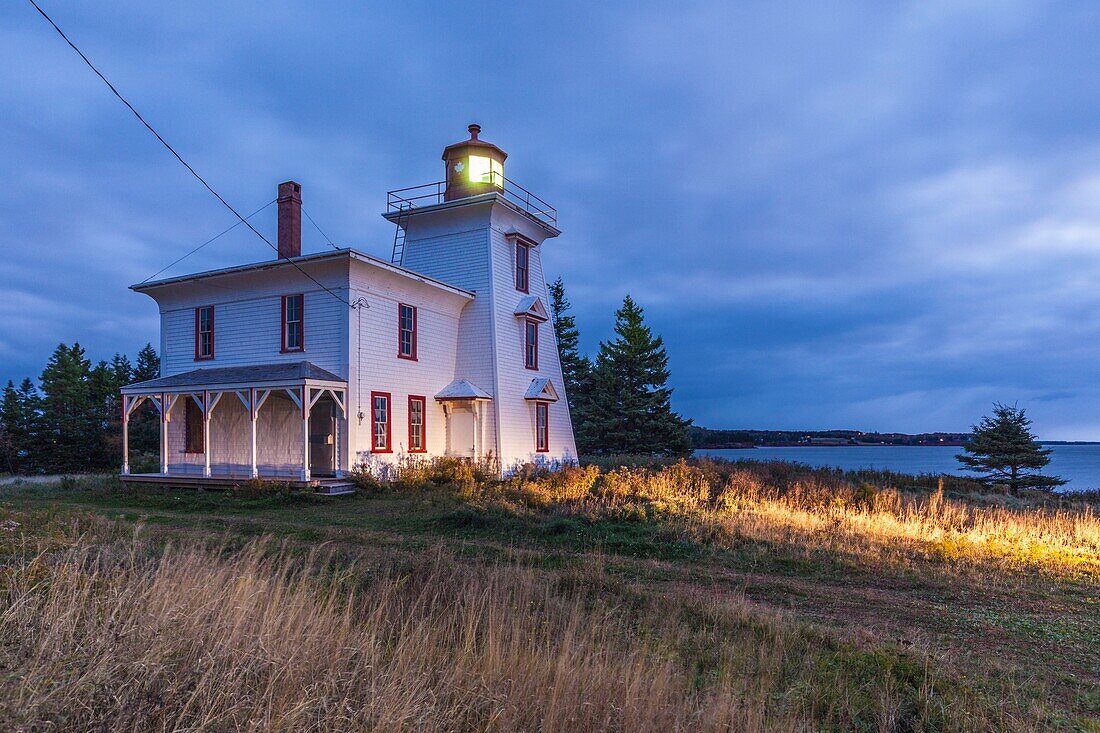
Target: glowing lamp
point(474, 167)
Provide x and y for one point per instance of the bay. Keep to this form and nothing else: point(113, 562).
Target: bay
point(1080, 464)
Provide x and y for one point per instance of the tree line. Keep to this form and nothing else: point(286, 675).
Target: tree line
point(71, 420)
point(620, 401)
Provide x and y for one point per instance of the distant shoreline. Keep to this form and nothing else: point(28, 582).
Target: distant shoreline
point(873, 445)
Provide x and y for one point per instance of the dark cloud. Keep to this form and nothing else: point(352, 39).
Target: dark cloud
point(871, 215)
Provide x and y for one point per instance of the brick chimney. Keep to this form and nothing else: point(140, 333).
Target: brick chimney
point(290, 219)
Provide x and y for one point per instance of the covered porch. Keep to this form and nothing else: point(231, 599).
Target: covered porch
point(222, 426)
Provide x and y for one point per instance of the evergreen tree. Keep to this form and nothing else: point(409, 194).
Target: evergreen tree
point(1003, 450)
point(575, 368)
point(69, 435)
point(145, 421)
point(148, 365)
point(19, 416)
point(631, 406)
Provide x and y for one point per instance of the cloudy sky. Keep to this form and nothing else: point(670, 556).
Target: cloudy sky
point(882, 216)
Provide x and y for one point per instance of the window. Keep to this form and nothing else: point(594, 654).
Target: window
point(406, 331)
point(204, 332)
point(531, 344)
point(294, 323)
point(542, 427)
point(416, 424)
point(486, 170)
point(523, 267)
point(380, 422)
point(193, 441)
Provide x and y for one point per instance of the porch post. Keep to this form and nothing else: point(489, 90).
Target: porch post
point(164, 406)
point(305, 433)
point(125, 435)
point(252, 418)
point(206, 433)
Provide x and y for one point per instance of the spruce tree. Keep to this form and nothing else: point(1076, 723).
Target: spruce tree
point(69, 436)
point(145, 421)
point(631, 408)
point(1003, 451)
point(19, 415)
point(575, 368)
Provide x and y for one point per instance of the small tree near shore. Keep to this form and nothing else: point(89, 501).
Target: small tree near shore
point(1003, 451)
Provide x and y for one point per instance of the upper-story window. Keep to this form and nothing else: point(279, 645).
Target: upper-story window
point(406, 331)
point(531, 344)
point(294, 336)
point(523, 267)
point(204, 332)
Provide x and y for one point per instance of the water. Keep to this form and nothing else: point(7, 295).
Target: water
point(1080, 464)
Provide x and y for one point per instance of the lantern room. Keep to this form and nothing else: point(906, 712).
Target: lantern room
point(473, 167)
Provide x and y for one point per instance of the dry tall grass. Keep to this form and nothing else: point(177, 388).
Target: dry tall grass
point(198, 641)
point(720, 503)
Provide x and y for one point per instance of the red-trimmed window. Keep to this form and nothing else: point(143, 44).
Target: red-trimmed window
point(294, 323)
point(523, 267)
point(531, 344)
point(406, 331)
point(204, 332)
point(380, 422)
point(542, 427)
point(417, 420)
point(193, 438)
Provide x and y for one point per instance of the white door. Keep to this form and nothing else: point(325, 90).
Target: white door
point(460, 435)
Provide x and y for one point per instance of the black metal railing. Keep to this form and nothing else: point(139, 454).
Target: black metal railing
point(427, 194)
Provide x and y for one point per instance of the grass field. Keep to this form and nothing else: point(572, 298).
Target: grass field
point(696, 596)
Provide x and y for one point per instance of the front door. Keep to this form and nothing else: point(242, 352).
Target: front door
point(322, 438)
point(460, 433)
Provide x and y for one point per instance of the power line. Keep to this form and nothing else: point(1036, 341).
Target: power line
point(330, 242)
point(217, 236)
point(177, 155)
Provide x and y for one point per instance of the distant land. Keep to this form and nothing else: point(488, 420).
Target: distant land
point(719, 439)
point(708, 438)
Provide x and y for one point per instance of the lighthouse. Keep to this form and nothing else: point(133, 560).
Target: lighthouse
point(481, 231)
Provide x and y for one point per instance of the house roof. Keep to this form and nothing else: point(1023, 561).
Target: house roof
point(316, 257)
point(254, 375)
point(542, 389)
point(460, 389)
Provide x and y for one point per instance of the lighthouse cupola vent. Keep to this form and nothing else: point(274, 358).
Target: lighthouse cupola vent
point(474, 167)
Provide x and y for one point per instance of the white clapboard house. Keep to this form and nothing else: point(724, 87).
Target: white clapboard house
point(305, 366)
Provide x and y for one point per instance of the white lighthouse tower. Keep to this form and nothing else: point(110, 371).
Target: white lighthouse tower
point(480, 231)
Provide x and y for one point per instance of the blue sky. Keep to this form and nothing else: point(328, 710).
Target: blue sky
point(882, 216)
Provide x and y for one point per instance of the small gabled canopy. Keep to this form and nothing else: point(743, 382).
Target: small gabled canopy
point(533, 308)
point(460, 389)
point(541, 389)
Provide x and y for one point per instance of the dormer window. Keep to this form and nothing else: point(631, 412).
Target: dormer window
point(486, 170)
point(204, 332)
point(523, 267)
point(293, 323)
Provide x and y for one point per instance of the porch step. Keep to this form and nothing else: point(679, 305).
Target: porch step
point(335, 488)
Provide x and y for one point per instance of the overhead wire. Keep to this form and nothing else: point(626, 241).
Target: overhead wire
point(178, 157)
point(330, 242)
point(212, 239)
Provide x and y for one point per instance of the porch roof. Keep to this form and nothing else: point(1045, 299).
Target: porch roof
point(461, 389)
point(254, 375)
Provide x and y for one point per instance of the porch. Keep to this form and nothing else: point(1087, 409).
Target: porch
point(226, 425)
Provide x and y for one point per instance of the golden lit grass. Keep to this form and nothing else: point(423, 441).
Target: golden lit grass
point(723, 503)
point(113, 637)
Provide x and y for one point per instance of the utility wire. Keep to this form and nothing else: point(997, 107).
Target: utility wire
point(217, 236)
point(177, 155)
point(330, 242)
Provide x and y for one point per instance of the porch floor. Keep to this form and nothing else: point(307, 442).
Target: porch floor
point(327, 485)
